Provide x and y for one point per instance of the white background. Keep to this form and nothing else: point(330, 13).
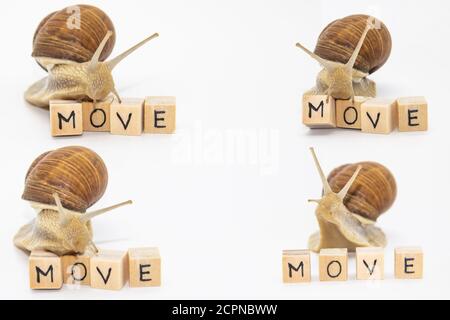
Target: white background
point(221, 224)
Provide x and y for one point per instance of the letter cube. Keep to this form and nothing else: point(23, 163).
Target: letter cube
point(296, 266)
point(379, 116)
point(333, 265)
point(96, 118)
point(127, 118)
point(109, 270)
point(412, 114)
point(66, 118)
point(348, 113)
point(408, 263)
point(317, 113)
point(160, 115)
point(77, 269)
point(370, 263)
point(145, 267)
point(45, 271)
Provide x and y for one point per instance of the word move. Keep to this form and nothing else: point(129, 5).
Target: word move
point(107, 270)
point(333, 264)
point(379, 116)
point(130, 117)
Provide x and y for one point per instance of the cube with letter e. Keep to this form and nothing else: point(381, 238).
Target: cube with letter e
point(412, 114)
point(145, 267)
point(160, 115)
point(408, 263)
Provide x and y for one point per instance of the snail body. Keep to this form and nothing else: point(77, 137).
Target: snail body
point(75, 58)
point(354, 197)
point(61, 185)
point(349, 50)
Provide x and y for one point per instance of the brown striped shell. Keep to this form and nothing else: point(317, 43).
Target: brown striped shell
point(338, 41)
point(78, 175)
point(373, 192)
point(57, 37)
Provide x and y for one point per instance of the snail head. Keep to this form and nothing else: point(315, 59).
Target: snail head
point(336, 79)
point(330, 201)
point(75, 227)
point(99, 74)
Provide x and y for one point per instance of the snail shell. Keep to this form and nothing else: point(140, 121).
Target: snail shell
point(338, 41)
point(373, 192)
point(59, 38)
point(77, 174)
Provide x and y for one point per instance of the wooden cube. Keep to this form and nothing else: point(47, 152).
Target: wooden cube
point(296, 266)
point(317, 113)
point(77, 269)
point(66, 118)
point(109, 270)
point(45, 271)
point(127, 118)
point(370, 263)
point(348, 113)
point(408, 263)
point(160, 115)
point(379, 116)
point(96, 118)
point(412, 114)
point(145, 267)
point(333, 265)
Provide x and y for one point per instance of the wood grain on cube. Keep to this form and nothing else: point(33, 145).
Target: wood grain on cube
point(296, 266)
point(348, 113)
point(145, 267)
point(317, 113)
point(408, 263)
point(379, 116)
point(160, 115)
point(333, 265)
point(66, 118)
point(412, 114)
point(77, 269)
point(127, 118)
point(96, 118)
point(45, 271)
point(370, 263)
point(109, 270)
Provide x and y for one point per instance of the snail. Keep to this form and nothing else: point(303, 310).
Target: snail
point(349, 50)
point(61, 185)
point(354, 197)
point(74, 57)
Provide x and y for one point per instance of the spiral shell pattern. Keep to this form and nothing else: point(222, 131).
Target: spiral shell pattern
point(338, 41)
point(373, 192)
point(73, 34)
point(78, 175)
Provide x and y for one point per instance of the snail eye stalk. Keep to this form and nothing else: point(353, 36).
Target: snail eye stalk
point(326, 185)
point(114, 62)
point(343, 193)
point(91, 215)
point(96, 57)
